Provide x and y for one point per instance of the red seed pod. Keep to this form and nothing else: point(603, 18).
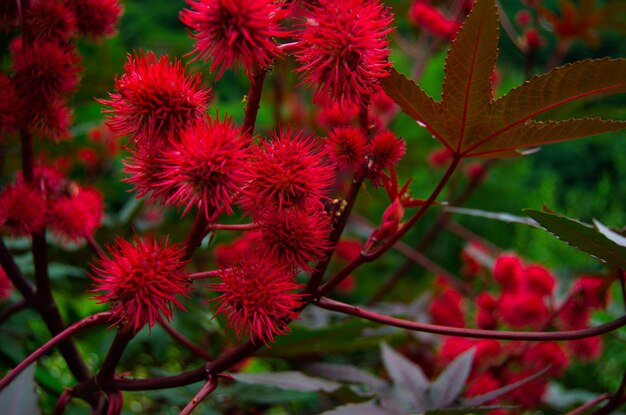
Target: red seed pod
point(96, 18)
point(74, 217)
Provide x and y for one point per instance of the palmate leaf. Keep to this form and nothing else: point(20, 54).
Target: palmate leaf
point(471, 123)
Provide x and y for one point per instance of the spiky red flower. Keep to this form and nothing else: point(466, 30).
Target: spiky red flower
point(343, 49)
point(385, 151)
point(54, 121)
point(431, 19)
point(258, 296)
point(206, 168)
point(5, 285)
point(79, 215)
point(508, 272)
point(155, 101)
point(539, 280)
point(235, 32)
point(347, 146)
point(523, 309)
point(44, 71)
point(97, 18)
point(295, 237)
point(448, 308)
point(22, 209)
point(144, 170)
point(141, 279)
point(286, 171)
point(50, 20)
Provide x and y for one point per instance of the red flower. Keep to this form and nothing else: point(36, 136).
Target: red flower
point(44, 71)
point(50, 20)
point(155, 101)
point(431, 19)
point(439, 157)
point(486, 316)
point(285, 172)
point(22, 209)
point(330, 114)
point(258, 296)
point(545, 354)
point(539, 280)
point(528, 394)
point(389, 224)
point(487, 351)
point(508, 272)
point(145, 171)
point(482, 383)
point(523, 309)
point(385, 151)
point(141, 280)
point(54, 121)
point(206, 168)
point(343, 49)
point(591, 291)
point(97, 18)
point(235, 32)
point(79, 215)
point(586, 349)
point(295, 237)
point(347, 146)
point(228, 254)
point(447, 308)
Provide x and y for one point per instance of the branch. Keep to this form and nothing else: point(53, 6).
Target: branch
point(92, 320)
point(233, 227)
point(254, 100)
point(14, 273)
point(196, 234)
point(202, 393)
point(206, 274)
point(105, 375)
point(333, 305)
point(581, 409)
point(371, 256)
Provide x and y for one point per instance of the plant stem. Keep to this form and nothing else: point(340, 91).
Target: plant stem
point(77, 327)
point(65, 398)
point(616, 400)
point(206, 389)
point(622, 283)
point(180, 338)
point(588, 405)
point(95, 246)
point(205, 274)
point(196, 234)
point(14, 273)
point(106, 374)
point(368, 257)
point(352, 310)
point(254, 100)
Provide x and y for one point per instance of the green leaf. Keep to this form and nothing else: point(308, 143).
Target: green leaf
point(289, 380)
point(582, 236)
point(449, 385)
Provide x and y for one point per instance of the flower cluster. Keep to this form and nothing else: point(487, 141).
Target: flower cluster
point(427, 17)
point(523, 298)
point(71, 211)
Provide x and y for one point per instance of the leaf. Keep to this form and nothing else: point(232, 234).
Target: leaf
point(501, 216)
point(463, 410)
point(472, 124)
point(366, 408)
point(582, 236)
point(451, 382)
point(408, 378)
point(486, 397)
point(20, 396)
point(346, 373)
point(289, 380)
point(613, 236)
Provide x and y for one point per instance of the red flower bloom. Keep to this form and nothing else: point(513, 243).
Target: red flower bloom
point(257, 296)
point(486, 316)
point(545, 354)
point(330, 114)
point(487, 351)
point(54, 122)
point(539, 280)
point(346, 146)
point(343, 49)
point(285, 172)
point(439, 157)
point(97, 18)
point(591, 291)
point(523, 309)
point(79, 215)
point(206, 168)
point(50, 20)
point(295, 237)
point(447, 308)
point(145, 173)
point(385, 152)
point(22, 209)
point(530, 393)
point(141, 280)
point(481, 384)
point(228, 254)
point(431, 19)
point(586, 349)
point(155, 101)
point(43, 72)
point(235, 32)
point(508, 272)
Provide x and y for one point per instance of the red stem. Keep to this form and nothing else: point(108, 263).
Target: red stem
point(206, 274)
point(206, 389)
point(234, 227)
point(582, 409)
point(371, 256)
point(196, 234)
point(254, 100)
point(180, 338)
point(106, 374)
point(333, 305)
point(62, 402)
point(77, 327)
